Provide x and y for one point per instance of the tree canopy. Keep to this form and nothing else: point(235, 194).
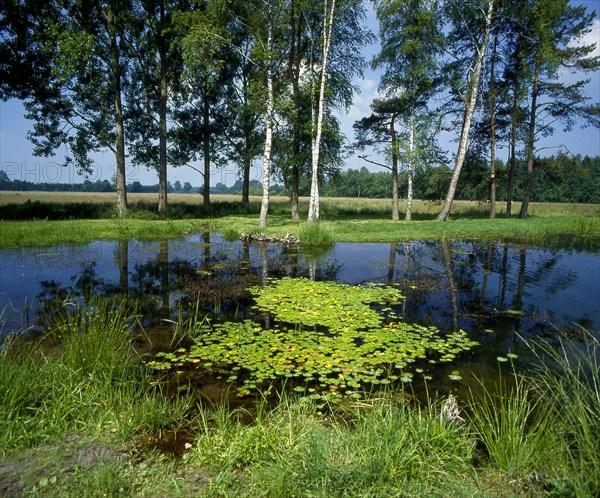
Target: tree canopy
point(170, 83)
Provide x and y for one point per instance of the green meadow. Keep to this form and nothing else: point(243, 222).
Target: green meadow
point(44, 218)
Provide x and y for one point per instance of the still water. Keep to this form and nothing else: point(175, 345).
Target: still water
point(501, 292)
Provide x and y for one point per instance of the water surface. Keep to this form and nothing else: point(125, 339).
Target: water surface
point(499, 291)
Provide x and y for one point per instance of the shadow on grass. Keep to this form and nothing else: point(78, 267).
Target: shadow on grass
point(331, 209)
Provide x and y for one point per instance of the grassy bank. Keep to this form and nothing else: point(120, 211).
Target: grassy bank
point(54, 218)
point(82, 416)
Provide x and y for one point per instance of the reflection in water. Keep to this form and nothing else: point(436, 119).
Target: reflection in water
point(451, 283)
point(478, 286)
point(123, 259)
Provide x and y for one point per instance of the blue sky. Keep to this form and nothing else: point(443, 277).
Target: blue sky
point(17, 161)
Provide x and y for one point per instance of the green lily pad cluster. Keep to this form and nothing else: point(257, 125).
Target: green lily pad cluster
point(326, 339)
point(326, 304)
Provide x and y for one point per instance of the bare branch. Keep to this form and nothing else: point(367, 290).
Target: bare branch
point(364, 158)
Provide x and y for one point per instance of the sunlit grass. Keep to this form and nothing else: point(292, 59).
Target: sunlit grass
point(344, 219)
point(377, 448)
point(570, 377)
point(315, 234)
point(515, 427)
point(90, 379)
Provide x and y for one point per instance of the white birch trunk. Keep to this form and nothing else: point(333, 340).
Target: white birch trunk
point(264, 205)
point(470, 103)
point(313, 208)
point(411, 150)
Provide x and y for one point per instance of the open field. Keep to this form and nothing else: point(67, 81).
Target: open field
point(54, 217)
point(329, 205)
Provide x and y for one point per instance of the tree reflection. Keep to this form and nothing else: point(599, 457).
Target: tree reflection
point(473, 285)
point(452, 289)
point(123, 261)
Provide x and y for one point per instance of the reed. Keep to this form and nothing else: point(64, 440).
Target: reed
point(570, 377)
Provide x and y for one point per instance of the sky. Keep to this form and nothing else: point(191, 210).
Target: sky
point(17, 160)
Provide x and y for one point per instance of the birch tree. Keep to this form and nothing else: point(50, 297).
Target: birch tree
point(411, 40)
point(328, 17)
point(479, 47)
point(270, 105)
point(307, 28)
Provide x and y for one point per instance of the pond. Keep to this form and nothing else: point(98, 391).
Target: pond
point(499, 292)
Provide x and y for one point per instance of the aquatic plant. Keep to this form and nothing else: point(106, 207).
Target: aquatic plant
point(325, 338)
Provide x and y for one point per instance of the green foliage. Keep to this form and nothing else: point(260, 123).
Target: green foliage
point(570, 377)
point(91, 381)
point(325, 338)
point(96, 340)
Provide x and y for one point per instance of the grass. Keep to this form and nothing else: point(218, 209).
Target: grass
point(315, 234)
point(381, 448)
point(570, 376)
point(77, 412)
point(342, 220)
point(92, 379)
point(516, 429)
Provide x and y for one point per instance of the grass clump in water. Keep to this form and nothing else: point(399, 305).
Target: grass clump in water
point(315, 234)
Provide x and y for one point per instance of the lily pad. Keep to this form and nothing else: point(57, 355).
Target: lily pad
point(330, 337)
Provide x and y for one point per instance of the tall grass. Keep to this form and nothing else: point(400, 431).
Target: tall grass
point(570, 378)
point(383, 448)
point(315, 234)
point(515, 427)
point(91, 382)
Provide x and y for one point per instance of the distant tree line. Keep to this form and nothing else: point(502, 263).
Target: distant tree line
point(558, 178)
point(255, 187)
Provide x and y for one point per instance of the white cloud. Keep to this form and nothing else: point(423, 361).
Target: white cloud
point(593, 36)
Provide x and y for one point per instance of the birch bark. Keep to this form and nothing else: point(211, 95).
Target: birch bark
point(470, 103)
point(264, 205)
point(313, 208)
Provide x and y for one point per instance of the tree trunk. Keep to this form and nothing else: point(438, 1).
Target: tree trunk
point(313, 208)
point(206, 150)
point(470, 103)
point(264, 206)
point(513, 156)
point(514, 121)
point(119, 128)
point(295, 60)
point(162, 125)
point(493, 131)
point(246, 180)
point(411, 150)
point(395, 195)
point(531, 139)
